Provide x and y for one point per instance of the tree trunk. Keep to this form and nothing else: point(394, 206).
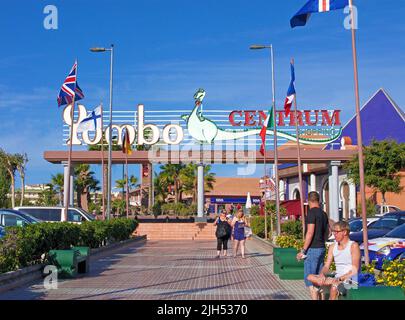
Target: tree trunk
point(22, 190)
point(84, 202)
point(12, 191)
point(79, 199)
point(383, 198)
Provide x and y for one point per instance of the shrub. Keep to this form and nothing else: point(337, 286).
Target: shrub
point(178, 209)
point(370, 208)
point(393, 274)
point(287, 241)
point(24, 246)
point(255, 210)
point(292, 228)
point(257, 225)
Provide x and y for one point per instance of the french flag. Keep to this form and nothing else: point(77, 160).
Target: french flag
point(314, 6)
point(290, 93)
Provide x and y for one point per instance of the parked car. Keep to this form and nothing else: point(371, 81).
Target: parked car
point(54, 214)
point(381, 210)
point(389, 247)
point(381, 227)
point(15, 218)
point(356, 225)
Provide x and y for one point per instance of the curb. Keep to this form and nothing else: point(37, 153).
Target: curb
point(14, 279)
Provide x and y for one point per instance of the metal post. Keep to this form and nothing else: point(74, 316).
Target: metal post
point(110, 136)
point(200, 190)
point(359, 138)
point(276, 187)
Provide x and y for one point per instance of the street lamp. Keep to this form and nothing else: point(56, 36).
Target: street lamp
point(111, 49)
point(276, 187)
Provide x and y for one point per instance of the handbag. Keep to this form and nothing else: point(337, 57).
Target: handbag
point(248, 232)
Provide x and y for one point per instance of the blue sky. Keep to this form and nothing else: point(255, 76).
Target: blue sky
point(165, 50)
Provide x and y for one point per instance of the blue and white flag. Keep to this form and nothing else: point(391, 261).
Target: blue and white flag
point(92, 122)
point(313, 6)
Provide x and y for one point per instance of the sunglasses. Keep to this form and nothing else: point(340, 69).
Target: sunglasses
point(337, 231)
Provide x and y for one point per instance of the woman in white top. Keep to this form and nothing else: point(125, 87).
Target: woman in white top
point(346, 255)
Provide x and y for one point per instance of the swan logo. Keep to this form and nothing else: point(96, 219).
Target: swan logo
point(206, 131)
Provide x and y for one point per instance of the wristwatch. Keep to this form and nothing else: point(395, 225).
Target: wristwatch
point(303, 251)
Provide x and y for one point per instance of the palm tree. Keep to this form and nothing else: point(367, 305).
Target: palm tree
point(22, 160)
point(84, 181)
point(9, 161)
point(58, 183)
point(170, 175)
point(189, 179)
point(120, 184)
point(160, 189)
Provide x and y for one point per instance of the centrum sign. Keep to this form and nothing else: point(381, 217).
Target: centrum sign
point(317, 127)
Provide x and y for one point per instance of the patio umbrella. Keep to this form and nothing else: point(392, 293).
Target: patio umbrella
point(248, 201)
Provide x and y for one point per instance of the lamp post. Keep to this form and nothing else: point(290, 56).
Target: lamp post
point(276, 187)
point(111, 49)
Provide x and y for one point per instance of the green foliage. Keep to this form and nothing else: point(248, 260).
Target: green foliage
point(178, 209)
point(257, 225)
point(288, 241)
point(370, 208)
point(5, 184)
point(157, 208)
point(48, 197)
point(292, 228)
point(383, 160)
point(22, 247)
point(254, 210)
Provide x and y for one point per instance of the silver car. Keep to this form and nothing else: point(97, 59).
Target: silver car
point(54, 214)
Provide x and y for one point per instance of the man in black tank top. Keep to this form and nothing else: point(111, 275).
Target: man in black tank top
point(316, 234)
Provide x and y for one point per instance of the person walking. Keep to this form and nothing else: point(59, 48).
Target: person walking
point(239, 224)
point(316, 234)
point(223, 233)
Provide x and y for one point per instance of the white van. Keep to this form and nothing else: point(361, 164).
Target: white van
point(54, 214)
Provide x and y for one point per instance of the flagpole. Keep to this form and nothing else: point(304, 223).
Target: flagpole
point(277, 183)
point(265, 193)
point(127, 189)
point(102, 161)
point(299, 163)
point(65, 213)
point(359, 137)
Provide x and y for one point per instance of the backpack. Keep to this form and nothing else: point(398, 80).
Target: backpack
point(222, 230)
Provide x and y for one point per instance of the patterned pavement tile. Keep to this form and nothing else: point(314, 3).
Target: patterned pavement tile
point(173, 270)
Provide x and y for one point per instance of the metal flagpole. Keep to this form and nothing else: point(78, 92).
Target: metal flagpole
point(110, 136)
point(65, 213)
point(265, 191)
point(299, 162)
point(102, 162)
point(277, 183)
point(126, 173)
point(359, 137)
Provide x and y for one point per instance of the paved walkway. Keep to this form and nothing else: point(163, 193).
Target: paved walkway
point(181, 270)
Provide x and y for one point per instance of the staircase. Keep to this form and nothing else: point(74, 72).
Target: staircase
point(177, 231)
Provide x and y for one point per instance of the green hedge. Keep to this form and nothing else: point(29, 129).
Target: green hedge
point(23, 247)
point(180, 209)
point(257, 225)
point(292, 228)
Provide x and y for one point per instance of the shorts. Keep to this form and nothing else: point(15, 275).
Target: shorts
point(313, 263)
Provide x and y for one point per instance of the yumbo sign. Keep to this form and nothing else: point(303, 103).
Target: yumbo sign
point(316, 127)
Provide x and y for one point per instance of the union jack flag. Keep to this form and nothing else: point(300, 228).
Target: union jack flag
point(70, 88)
